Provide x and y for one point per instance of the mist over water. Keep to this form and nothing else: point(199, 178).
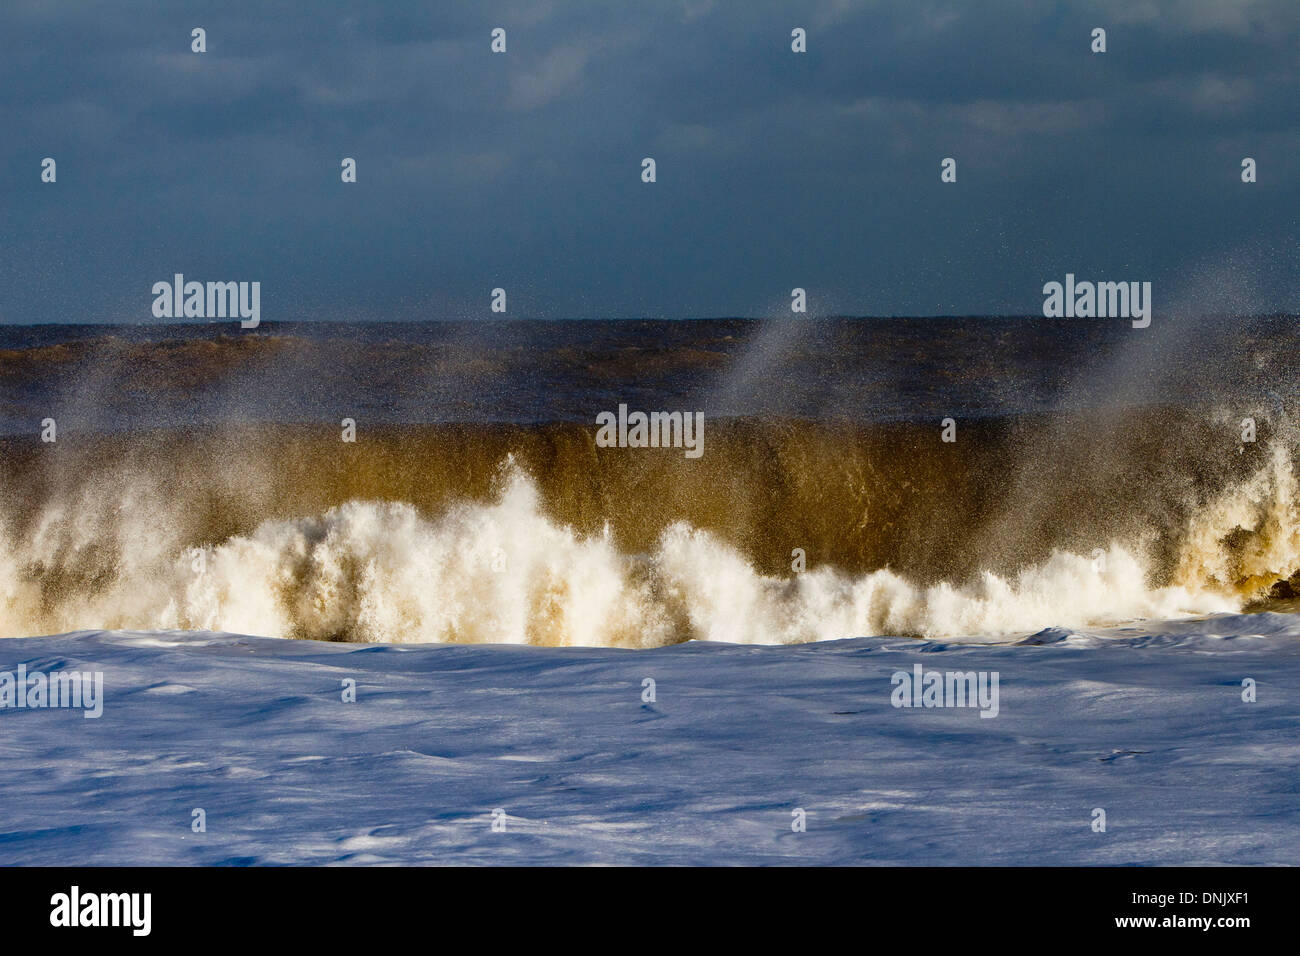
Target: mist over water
point(199, 481)
point(123, 378)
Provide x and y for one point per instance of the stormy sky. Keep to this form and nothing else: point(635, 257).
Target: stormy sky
point(523, 170)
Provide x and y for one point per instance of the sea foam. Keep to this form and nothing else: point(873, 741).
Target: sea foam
point(501, 570)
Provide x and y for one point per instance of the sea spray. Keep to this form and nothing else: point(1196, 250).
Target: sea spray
point(384, 571)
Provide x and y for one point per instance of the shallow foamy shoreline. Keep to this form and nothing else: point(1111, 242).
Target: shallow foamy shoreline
point(1148, 724)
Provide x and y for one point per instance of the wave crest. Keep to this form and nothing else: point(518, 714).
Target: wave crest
point(503, 569)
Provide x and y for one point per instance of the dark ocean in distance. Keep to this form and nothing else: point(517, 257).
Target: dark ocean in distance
point(113, 378)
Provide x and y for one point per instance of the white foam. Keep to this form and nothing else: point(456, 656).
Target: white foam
point(503, 572)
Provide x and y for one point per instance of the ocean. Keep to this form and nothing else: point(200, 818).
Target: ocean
point(969, 479)
point(935, 591)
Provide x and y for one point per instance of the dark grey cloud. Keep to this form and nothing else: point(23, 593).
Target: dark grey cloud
point(522, 170)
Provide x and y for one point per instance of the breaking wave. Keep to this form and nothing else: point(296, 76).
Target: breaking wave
point(535, 536)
